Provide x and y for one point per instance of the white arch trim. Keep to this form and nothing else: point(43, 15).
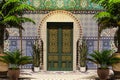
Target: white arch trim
point(59, 16)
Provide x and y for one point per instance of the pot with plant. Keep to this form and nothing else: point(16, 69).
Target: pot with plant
point(14, 59)
point(36, 57)
point(103, 59)
point(82, 50)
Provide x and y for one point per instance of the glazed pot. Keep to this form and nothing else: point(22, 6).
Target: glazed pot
point(13, 74)
point(103, 73)
point(3, 68)
point(83, 69)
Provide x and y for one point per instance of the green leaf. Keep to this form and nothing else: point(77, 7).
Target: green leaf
point(15, 59)
point(103, 58)
point(20, 8)
point(1, 14)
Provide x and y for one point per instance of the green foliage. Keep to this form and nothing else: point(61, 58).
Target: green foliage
point(14, 59)
point(11, 12)
point(83, 53)
point(103, 58)
point(11, 16)
point(36, 55)
point(110, 18)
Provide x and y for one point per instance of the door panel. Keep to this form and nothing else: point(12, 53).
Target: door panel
point(59, 46)
point(53, 53)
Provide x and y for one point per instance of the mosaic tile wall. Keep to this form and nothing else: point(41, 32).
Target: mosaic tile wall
point(64, 5)
point(87, 23)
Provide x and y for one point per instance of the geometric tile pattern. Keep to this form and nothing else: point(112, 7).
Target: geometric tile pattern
point(64, 5)
point(87, 23)
point(14, 43)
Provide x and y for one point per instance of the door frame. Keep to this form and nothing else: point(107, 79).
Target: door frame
point(59, 16)
point(60, 26)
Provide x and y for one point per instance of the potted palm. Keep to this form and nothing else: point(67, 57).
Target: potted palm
point(14, 60)
point(103, 59)
point(36, 57)
point(82, 49)
point(107, 19)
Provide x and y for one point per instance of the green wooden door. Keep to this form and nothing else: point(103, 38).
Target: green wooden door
point(59, 46)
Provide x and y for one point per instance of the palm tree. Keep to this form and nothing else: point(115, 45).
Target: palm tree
point(11, 17)
point(109, 18)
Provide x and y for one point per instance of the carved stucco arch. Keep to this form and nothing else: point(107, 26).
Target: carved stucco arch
point(62, 12)
point(59, 16)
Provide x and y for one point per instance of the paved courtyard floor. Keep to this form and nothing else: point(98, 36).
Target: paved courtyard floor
point(59, 75)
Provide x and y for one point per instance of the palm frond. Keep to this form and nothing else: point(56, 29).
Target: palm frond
point(25, 60)
point(15, 58)
point(105, 20)
point(113, 60)
point(114, 1)
point(101, 15)
point(9, 2)
point(25, 19)
point(1, 14)
point(11, 18)
point(95, 57)
point(103, 58)
point(21, 8)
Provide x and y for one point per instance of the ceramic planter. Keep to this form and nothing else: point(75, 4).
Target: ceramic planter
point(36, 69)
point(116, 67)
point(103, 73)
point(82, 69)
point(13, 74)
point(3, 66)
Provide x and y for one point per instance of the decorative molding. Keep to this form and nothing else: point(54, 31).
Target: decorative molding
point(38, 37)
point(64, 5)
point(62, 12)
point(73, 12)
point(24, 37)
point(101, 38)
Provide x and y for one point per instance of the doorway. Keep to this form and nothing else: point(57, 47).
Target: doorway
point(59, 46)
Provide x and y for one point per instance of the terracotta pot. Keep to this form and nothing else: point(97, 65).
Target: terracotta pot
point(103, 73)
point(13, 74)
point(3, 66)
point(116, 66)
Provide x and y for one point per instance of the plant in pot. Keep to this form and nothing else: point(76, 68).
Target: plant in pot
point(83, 51)
point(14, 59)
point(103, 59)
point(36, 56)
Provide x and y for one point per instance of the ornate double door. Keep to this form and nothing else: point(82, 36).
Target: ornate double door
point(59, 46)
